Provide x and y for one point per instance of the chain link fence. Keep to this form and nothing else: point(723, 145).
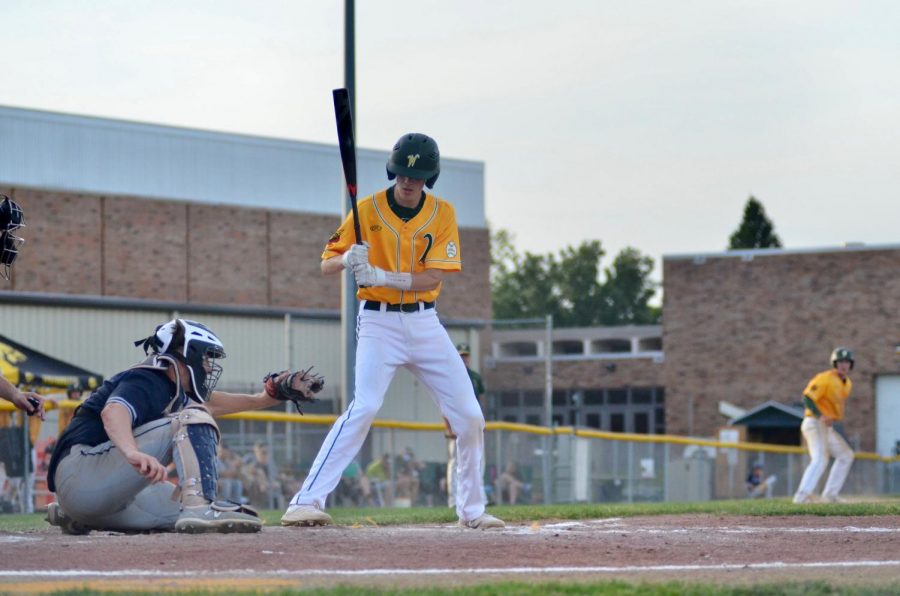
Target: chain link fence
point(266, 455)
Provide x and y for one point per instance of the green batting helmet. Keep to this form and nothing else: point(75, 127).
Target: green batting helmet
point(415, 156)
point(841, 354)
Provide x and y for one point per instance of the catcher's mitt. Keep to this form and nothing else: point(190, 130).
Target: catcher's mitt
point(299, 386)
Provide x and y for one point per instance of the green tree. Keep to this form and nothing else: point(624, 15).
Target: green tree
point(627, 291)
point(756, 229)
point(521, 286)
point(578, 281)
point(569, 286)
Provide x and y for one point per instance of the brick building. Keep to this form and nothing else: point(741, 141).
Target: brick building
point(740, 327)
point(129, 224)
point(749, 326)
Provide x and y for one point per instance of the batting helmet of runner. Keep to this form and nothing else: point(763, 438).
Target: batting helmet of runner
point(842, 354)
point(415, 156)
point(195, 346)
point(11, 219)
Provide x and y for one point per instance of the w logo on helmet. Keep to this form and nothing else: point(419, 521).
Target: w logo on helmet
point(411, 160)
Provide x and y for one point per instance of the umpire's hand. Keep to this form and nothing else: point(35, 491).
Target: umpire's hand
point(147, 466)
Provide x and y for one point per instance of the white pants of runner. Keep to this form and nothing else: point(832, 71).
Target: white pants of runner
point(97, 487)
point(823, 441)
point(418, 342)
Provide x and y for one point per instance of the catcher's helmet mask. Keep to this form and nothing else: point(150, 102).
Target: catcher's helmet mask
point(415, 156)
point(840, 354)
point(194, 345)
point(11, 219)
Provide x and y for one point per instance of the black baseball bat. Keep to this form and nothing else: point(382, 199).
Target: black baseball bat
point(343, 115)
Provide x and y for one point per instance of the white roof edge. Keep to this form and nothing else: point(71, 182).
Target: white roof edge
point(184, 131)
point(774, 252)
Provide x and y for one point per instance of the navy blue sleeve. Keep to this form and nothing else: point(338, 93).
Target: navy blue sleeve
point(144, 393)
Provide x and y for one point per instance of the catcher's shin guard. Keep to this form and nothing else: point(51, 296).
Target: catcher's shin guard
point(196, 439)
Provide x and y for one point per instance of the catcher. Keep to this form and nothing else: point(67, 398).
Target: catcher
point(109, 466)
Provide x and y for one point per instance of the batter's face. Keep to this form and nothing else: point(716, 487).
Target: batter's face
point(843, 368)
point(408, 191)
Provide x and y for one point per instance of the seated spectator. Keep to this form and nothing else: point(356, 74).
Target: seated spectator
point(510, 484)
point(379, 474)
point(354, 489)
point(290, 483)
point(230, 487)
point(757, 486)
point(256, 480)
point(407, 477)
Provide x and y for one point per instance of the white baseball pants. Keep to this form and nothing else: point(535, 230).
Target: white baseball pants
point(417, 341)
point(823, 441)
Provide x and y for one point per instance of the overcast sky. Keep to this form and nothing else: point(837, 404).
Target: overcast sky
point(642, 123)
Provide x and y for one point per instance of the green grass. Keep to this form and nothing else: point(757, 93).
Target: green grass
point(530, 513)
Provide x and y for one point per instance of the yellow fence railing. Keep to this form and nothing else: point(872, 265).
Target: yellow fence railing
point(321, 419)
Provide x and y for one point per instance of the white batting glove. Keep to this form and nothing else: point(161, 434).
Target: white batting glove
point(369, 276)
point(357, 255)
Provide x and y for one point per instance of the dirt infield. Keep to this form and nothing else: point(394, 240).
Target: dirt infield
point(841, 550)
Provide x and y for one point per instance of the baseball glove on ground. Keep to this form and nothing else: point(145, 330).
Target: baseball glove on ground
point(299, 386)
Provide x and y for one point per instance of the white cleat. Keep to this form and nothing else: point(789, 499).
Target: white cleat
point(305, 515)
point(485, 521)
point(806, 499)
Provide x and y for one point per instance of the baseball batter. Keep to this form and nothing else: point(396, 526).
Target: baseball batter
point(108, 469)
point(824, 398)
point(411, 243)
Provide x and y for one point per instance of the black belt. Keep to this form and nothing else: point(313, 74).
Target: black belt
point(407, 307)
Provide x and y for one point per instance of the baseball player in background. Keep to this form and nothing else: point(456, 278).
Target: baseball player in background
point(410, 243)
point(11, 219)
point(108, 469)
point(478, 389)
point(824, 398)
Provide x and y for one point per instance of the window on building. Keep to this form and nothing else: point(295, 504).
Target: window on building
point(534, 399)
point(593, 397)
point(509, 399)
point(568, 347)
point(650, 344)
point(617, 396)
point(617, 423)
point(518, 348)
point(641, 422)
point(641, 395)
point(614, 346)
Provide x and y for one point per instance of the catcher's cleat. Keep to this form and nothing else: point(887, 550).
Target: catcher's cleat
point(485, 521)
point(305, 515)
point(57, 517)
point(222, 517)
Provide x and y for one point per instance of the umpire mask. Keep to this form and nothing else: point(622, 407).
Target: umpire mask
point(195, 346)
point(11, 219)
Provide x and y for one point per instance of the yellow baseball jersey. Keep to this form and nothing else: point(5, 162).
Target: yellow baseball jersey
point(829, 392)
point(430, 240)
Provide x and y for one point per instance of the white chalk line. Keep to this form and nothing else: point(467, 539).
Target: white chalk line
point(282, 573)
point(623, 529)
